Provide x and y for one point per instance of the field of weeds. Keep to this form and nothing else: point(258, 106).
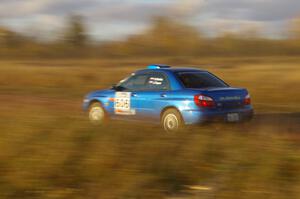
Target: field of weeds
point(48, 149)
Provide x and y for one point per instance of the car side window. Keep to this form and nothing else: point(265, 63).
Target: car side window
point(135, 82)
point(157, 81)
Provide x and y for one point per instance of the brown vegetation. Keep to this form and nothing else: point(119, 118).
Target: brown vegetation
point(48, 149)
point(165, 37)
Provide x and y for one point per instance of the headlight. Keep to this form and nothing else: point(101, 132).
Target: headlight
point(86, 100)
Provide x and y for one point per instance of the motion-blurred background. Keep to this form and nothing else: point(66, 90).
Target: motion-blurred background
point(53, 52)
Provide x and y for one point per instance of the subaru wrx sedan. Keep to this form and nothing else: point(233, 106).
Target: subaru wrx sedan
point(173, 97)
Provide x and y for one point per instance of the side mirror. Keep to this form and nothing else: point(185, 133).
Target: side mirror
point(114, 87)
point(118, 88)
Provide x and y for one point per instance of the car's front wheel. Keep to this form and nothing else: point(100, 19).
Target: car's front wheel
point(96, 113)
point(171, 120)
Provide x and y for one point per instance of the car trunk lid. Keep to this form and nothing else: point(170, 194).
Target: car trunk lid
point(226, 98)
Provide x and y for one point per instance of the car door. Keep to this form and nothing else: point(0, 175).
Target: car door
point(126, 100)
point(153, 97)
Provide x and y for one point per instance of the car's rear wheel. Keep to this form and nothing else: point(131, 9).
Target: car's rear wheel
point(171, 120)
point(97, 114)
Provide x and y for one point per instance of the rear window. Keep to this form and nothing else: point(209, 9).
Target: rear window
point(200, 80)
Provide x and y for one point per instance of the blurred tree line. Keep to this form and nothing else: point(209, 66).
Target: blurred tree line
point(165, 37)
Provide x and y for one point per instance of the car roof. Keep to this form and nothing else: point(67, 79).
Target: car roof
point(171, 69)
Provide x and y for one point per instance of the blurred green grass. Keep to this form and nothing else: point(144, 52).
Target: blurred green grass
point(48, 149)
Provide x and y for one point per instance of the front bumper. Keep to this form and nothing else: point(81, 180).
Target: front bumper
point(203, 116)
point(85, 104)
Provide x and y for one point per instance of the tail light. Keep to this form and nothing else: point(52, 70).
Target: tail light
point(247, 100)
point(204, 101)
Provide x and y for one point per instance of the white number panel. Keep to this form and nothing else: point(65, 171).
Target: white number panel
point(122, 104)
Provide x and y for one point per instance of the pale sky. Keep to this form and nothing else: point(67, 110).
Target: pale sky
point(115, 19)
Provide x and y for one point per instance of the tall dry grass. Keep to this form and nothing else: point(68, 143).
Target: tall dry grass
point(49, 150)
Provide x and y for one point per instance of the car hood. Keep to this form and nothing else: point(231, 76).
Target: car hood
point(100, 93)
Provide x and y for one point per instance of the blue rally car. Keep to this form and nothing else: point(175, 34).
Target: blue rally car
point(173, 97)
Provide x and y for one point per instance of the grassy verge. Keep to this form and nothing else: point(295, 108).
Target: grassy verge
point(49, 150)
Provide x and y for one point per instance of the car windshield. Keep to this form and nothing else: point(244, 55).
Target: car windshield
point(200, 80)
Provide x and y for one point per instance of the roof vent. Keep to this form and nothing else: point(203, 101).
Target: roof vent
point(158, 66)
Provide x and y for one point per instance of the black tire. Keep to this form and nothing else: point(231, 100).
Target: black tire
point(96, 113)
point(171, 120)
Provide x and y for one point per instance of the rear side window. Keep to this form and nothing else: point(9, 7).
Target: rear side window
point(200, 80)
point(157, 82)
point(144, 82)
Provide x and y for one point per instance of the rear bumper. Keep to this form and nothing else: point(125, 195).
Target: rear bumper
point(203, 116)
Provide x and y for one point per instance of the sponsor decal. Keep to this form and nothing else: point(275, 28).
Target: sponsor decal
point(230, 98)
point(122, 103)
point(155, 80)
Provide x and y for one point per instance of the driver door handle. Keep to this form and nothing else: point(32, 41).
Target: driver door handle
point(133, 94)
point(163, 95)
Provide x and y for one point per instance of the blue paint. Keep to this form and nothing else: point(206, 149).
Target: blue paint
point(150, 104)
